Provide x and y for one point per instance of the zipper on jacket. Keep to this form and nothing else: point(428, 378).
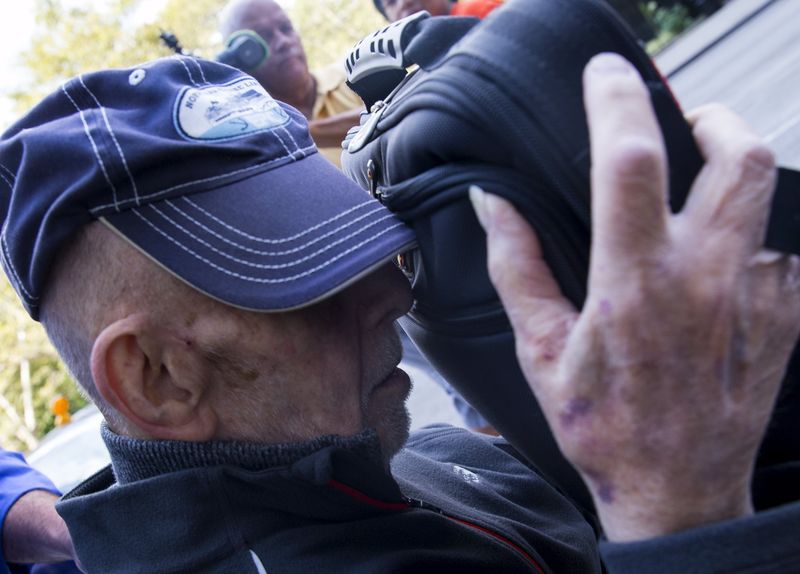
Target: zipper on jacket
point(422, 505)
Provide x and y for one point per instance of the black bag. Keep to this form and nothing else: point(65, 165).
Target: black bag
point(499, 104)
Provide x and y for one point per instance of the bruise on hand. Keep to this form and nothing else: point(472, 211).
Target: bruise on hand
point(550, 344)
point(601, 486)
point(575, 408)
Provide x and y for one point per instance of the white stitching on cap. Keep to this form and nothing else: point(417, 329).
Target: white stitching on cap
point(366, 203)
point(291, 137)
point(273, 253)
point(285, 147)
point(9, 183)
point(199, 67)
point(94, 147)
point(265, 265)
point(261, 279)
point(125, 202)
point(114, 138)
point(188, 71)
point(10, 263)
point(9, 172)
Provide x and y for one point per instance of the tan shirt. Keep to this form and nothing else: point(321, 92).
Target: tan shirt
point(333, 97)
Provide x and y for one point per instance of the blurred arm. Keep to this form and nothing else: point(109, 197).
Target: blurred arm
point(330, 131)
point(32, 531)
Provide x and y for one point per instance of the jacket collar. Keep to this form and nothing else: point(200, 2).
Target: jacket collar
point(237, 499)
point(134, 459)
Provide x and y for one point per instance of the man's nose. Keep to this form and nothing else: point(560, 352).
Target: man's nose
point(280, 42)
point(382, 296)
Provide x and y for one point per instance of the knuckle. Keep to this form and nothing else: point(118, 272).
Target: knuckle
point(621, 87)
point(709, 294)
point(710, 118)
point(755, 157)
point(710, 111)
point(636, 158)
point(750, 160)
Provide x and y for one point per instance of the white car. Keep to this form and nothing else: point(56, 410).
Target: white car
point(74, 452)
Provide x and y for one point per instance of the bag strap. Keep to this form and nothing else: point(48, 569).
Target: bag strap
point(783, 227)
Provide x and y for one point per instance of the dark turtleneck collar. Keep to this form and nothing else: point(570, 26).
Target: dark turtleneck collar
point(135, 459)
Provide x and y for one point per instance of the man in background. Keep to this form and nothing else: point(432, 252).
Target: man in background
point(323, 97)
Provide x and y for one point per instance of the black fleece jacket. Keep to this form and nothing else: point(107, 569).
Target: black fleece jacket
point(454, 502)
point(457, 500)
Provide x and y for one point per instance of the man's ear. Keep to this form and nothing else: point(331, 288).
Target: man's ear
point(154, 380)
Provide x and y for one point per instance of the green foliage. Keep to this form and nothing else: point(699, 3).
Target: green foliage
point(668, 22)
point(23, 341)
point(194, 22)
point(329, 28)
point(70, 40)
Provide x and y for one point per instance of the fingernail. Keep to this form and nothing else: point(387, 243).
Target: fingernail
point(608, 63)
point(480, 200)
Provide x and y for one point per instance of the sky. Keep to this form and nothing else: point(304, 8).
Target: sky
point(16, 27)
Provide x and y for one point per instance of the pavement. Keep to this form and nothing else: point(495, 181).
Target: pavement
point(747, 56)
point(428, 402)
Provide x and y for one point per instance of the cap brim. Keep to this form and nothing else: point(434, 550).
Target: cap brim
point(280, 240)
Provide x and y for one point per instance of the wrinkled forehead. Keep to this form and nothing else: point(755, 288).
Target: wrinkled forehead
point(253, 14)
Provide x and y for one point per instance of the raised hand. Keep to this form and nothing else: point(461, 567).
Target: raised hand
point(659, 390)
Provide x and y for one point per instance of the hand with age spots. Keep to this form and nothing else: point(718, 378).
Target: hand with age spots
point(659, 391)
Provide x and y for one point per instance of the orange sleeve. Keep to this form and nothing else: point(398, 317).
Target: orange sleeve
point(476, 8)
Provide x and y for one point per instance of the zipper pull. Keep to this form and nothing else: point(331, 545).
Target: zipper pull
point(422, 505)
point(365, 131)
point(372, 176)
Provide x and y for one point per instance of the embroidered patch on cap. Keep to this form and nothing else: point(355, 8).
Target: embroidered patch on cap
point(227, 112)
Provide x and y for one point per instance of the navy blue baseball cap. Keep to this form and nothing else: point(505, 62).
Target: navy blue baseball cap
point(194, 164)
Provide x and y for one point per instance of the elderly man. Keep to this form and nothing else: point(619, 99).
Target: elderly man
point(323, 97)
point(225, 296)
